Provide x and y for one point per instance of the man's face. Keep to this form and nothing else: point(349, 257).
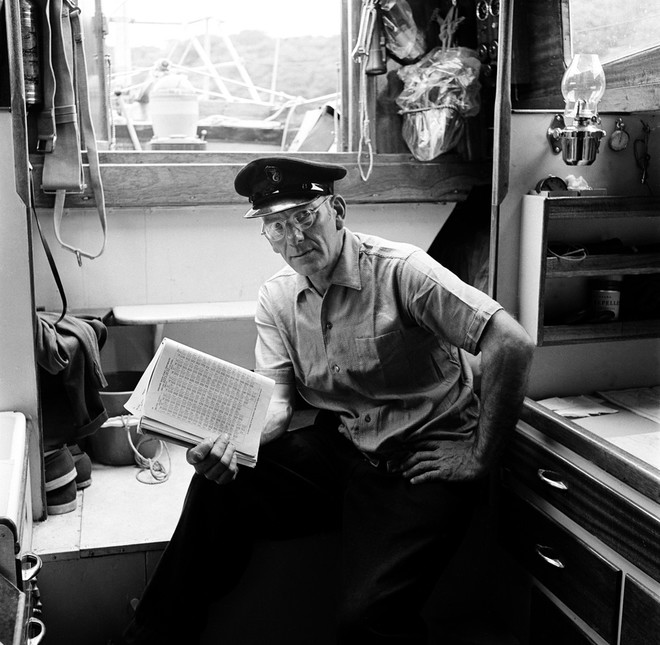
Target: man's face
point(315, 249)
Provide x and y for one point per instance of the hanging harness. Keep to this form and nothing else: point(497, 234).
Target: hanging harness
point(65, 123)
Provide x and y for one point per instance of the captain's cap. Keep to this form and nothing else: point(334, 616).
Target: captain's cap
point(275, 184)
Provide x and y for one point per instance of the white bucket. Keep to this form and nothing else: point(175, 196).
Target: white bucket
point(173, 107)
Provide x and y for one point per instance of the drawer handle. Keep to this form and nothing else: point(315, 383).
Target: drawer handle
point(546, 554)
point(551, 478)
point(31, 564)
point(36, 631)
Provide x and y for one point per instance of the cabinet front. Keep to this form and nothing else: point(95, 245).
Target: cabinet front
point(602, 511)
point(640, 623)
point(551, 626)
point(579, 577)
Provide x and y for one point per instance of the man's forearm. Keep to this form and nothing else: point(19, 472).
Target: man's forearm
point(507, 355)
point(280, 411)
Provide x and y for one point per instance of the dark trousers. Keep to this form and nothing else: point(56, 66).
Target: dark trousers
point(395, 538)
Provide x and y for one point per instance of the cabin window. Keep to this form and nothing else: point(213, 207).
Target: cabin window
point(247, 85)
point(612, 32)
point(548, 32)
point(255, 76)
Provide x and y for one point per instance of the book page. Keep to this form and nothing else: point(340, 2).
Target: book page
point(135, 403)
point(199, 396)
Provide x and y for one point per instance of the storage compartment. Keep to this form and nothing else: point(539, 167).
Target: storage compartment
point(567, 246)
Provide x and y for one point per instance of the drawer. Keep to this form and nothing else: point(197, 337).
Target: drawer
point(549, 625)
point(640, 623)
point(608, 515)
point(579, 577)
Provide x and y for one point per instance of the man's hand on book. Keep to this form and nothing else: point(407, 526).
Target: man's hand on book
point(215, 460)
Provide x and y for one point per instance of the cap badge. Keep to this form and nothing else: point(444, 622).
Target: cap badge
point(273, 173)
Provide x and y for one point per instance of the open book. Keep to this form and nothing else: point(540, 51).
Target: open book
point(185, 396)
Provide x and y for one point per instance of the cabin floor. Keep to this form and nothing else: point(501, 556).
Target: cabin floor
point(98, 558)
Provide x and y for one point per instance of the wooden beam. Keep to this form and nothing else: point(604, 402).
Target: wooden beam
point(186, 179)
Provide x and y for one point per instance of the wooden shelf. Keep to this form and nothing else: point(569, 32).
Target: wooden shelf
point(601, 207)
point(624, 330)
point(600, 265)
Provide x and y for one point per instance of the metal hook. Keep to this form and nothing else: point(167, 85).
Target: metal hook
point(641, 149)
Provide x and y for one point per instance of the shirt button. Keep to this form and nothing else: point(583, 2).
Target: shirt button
point(368, 418)
point(328, 325)
point(335, 368)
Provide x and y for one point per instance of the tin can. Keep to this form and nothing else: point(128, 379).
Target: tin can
point(606, 297)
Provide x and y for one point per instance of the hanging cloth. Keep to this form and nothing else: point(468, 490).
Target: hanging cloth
point(65, 123)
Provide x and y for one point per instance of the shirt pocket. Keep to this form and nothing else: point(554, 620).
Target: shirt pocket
point(385, 362)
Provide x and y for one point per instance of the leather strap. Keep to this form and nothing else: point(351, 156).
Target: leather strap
point(49, 255)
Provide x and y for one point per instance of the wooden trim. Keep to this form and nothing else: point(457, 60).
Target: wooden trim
point(181, 179)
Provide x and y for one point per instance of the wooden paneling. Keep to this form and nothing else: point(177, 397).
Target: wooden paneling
point(193, 179)
point(538, 51)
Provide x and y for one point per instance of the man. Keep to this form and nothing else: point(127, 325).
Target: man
point(371, 333)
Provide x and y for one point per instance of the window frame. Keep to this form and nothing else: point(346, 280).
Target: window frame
point(198, 178)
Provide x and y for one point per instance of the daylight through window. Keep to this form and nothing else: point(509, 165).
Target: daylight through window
point(252, 76)
point(614, 30)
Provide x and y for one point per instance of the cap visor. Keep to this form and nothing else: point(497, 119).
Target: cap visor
point(279, 206)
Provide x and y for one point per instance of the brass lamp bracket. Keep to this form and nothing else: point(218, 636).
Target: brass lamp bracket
point(553, 134)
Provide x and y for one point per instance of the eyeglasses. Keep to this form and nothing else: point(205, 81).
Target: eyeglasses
point(277, 229)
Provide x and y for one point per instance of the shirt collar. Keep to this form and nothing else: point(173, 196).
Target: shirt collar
point(347, 270)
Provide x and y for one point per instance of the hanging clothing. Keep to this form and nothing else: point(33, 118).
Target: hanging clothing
point(70, 377)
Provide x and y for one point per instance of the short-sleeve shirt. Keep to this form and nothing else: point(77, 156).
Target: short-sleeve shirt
point(381, 347)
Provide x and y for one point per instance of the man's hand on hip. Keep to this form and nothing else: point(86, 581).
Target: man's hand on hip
point(446, 461)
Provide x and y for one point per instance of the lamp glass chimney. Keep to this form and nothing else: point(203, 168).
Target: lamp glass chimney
point(583, 85)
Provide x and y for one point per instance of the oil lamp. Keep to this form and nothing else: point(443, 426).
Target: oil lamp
point(576, 133)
